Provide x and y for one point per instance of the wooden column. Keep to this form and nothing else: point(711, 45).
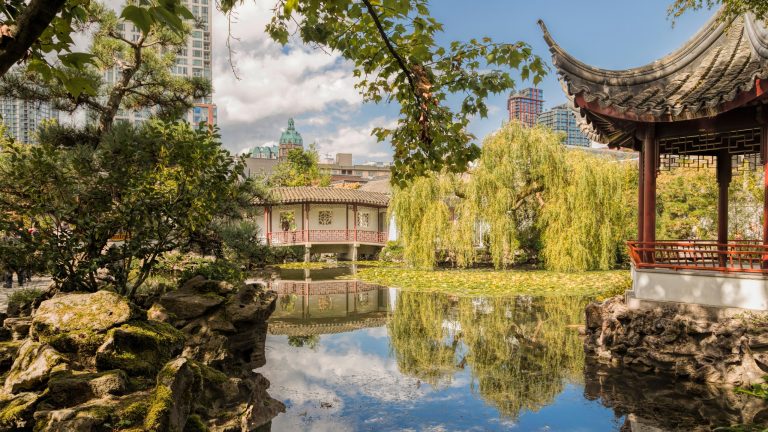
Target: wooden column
point(723, 181)
point(640, 199)
point(650, 159)
point(764, 154)
point(267, 219)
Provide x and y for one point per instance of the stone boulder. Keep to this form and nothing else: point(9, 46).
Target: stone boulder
point(186, 304)
point(16, 411)
point(179, 383)
point(88, 312)
point(18, 327)
point(251, 304)
point(32, 367)
point(69, 388)
point(8, 353)
point(139, 347)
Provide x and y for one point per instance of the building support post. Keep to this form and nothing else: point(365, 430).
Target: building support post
point(640, 199)
point(764, 154)
point(354, 210)
point(267, 219)
point(723, 181)
point(650, 160)
point(307, 253)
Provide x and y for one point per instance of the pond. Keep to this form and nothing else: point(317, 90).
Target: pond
point(345, 355)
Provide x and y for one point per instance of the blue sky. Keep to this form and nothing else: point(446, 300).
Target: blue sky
point(316, 88)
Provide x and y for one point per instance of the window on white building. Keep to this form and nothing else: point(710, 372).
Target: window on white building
point(325, 217)
point(363, 220)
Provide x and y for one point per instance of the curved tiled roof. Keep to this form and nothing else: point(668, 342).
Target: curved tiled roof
point(705, 77)
point(310, 194)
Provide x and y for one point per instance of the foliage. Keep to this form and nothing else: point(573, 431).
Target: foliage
point(154, 184)
point(142, 67)
point(23, 298)
point(393, 47)
point(587, 218)
point(495, 282)
point(756, 390)
point(392, 252)
point(731, 8)
point(219, 270)
point(527, 196)
point(300, 169)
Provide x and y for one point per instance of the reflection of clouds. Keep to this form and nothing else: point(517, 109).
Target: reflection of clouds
point(377, 332)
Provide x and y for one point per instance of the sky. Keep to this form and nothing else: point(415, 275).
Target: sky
point(317, 88)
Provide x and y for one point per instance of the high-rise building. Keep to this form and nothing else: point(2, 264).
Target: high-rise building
point(290, 139)
point(526, 105)
point(194, 60)
point(562, 119)
point(23, 118)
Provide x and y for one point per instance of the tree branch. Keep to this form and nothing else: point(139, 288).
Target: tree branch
point(37, 16)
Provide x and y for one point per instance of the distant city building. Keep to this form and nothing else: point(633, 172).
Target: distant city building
point(289, 140)
point(22, 118)
point(194, 60)
point(265, 152)
point(344, 171)
point(562, 119)
point(526, 105)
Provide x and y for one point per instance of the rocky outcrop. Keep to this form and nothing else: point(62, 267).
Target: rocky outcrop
point(673, 341)
point(94, 362)
point(32, 367)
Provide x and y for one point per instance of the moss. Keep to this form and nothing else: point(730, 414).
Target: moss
point(141, 347)
point(14, 408)
point(195, 424)
point(132, 415)
point(158, 408)
point(211, 375)
point(82, 341)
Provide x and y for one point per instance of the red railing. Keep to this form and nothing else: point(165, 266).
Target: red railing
point(738, 256)
point(279, 238)
point(284, 287)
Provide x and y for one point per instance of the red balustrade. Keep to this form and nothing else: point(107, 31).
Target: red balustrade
point(736, 256)
point(282, 238)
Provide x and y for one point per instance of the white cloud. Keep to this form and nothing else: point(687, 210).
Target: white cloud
point(357, 140)
point(275, 81)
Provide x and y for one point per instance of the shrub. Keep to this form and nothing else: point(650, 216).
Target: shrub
point(220, 270)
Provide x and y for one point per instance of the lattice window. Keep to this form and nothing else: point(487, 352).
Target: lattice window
point(363, 220)
point(325, 217)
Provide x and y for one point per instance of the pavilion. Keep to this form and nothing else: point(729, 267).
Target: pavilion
point(701, 106)
point(348, 222)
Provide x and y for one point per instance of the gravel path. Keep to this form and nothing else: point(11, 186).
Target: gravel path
point(38, 282)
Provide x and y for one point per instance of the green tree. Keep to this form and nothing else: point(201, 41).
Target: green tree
point(142, 68)
point(731, 8)
point(300, 168)
point(154, 185)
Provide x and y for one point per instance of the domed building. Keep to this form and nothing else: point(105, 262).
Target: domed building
point(289, 140)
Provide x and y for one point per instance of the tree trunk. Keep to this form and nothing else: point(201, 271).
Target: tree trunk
point(37, 16)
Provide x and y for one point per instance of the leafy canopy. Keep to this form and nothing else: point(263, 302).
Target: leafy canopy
point(300, 168)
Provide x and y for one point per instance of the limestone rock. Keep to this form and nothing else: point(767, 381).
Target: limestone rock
point(250, 304)
point(18, 327)
point(188, 304)
point(139, 347)
point(73, 388)
point(158, 313)
point(678, 342)
point(16, 411)
point(8, 352)
point(178, 385)
point(92, 312)
point(32, 367)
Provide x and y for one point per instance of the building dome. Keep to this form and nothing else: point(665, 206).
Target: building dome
point(291, 136)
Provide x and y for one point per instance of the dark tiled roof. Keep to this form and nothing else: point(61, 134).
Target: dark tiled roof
point(698, 80)
point(295, 195)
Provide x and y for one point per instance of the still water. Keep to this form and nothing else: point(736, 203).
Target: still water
point(350, 356)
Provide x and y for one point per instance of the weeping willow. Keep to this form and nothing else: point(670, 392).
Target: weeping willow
point(527, 196)
point(589, 215)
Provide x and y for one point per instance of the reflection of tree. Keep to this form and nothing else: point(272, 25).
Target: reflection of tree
point(520, 350)
point(420, 342)
point(310, 342)
point(288, 302)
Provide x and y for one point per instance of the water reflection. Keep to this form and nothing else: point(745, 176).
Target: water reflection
point(347, 355)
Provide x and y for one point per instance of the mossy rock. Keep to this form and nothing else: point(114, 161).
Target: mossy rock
point(16, 410)
point(195, 424)
point(32, 367)
point(73, 388)
point(8, 352)
point(83, 343)
point(178, 385)
point(139, 347)
point(87, 312)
